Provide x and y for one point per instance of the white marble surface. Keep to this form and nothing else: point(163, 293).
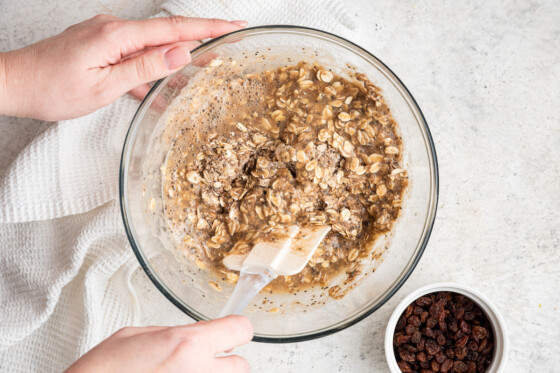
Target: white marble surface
point(487, 78)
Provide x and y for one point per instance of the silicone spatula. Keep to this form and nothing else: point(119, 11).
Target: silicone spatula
point(286, 253)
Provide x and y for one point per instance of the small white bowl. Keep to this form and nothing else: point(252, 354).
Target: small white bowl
point(496, 320)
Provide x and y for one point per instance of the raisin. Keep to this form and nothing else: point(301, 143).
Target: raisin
point(462, 342)
point(414, 321)
point(472, 345)
point(442, 325)
point(479, 332)
point(459, 298)
point(418, 311)
point(472, 356)
point(482, 367)
point(435, 366)
point(410, 348)
point(416, 337)
point(450, 353)
point(461, 352)
point(440, 357)
point(460, 367)
point(431, 322)
point(436, 309)
point(428, 332)
point(404, 367)
point(481, 360)
point(421, 345)
point(488, 349)
point(469, 316)
point(410, 329)
point(432, 347)
point(452, 325)
point(426, 370)
point(446, 365)
point(464, 327)
point(459, 313)
point(401, 339)
point(423, 301)
point(482, 345)
point(424, 317)
point(441, 339)
point(407, 312)
point(421, 357)
point(471, 367)
point(425, 364)
point(406, 355)
point(452, 306)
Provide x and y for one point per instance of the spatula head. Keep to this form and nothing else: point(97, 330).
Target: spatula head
point(285, 256)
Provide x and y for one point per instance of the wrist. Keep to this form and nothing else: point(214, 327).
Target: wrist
point(12, 83)
point(4, 104)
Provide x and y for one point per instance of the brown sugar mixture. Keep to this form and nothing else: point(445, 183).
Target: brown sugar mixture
point(293, 145)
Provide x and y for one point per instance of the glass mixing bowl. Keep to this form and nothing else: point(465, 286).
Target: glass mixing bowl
point(285, 317)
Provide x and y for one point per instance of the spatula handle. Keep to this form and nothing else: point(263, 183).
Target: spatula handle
point(250, 283)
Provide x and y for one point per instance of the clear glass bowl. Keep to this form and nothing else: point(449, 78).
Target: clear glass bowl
point(307, 315)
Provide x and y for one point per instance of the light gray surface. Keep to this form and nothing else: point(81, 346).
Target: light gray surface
point(486, 78)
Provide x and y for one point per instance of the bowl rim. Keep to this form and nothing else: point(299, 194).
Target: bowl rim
point(428, 225)
point(501, 344)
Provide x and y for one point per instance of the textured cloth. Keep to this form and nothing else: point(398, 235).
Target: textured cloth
point(65, 262)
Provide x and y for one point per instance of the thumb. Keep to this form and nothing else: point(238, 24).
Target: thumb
point(151, 65)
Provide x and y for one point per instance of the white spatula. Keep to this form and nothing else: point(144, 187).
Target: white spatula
point(284, 256)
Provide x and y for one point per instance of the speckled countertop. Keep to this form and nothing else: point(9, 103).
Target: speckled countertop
point(487, 78)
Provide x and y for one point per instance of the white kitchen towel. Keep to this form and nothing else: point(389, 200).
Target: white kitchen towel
point(327, 15)
point(65, 262)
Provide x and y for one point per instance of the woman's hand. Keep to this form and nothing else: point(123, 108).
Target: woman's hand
point(186, 349)
point(93, 63)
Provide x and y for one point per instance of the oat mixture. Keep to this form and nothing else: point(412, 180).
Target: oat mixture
point(293, 145)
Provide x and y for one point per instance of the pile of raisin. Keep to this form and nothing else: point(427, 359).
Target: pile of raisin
point(443, 332)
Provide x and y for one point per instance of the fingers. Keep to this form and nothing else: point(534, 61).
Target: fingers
point(140, 92)
point(225, 333)
point(192, 44)
point(231, 364)
point(137, 35)
point(151, 65)
point(145, 68)
point(154, 48)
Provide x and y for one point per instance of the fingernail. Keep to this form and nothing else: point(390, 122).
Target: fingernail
point(176, 57)
point(240, 23)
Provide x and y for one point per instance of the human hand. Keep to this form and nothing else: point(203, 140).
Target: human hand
point(91, 64)
point(186, 349)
